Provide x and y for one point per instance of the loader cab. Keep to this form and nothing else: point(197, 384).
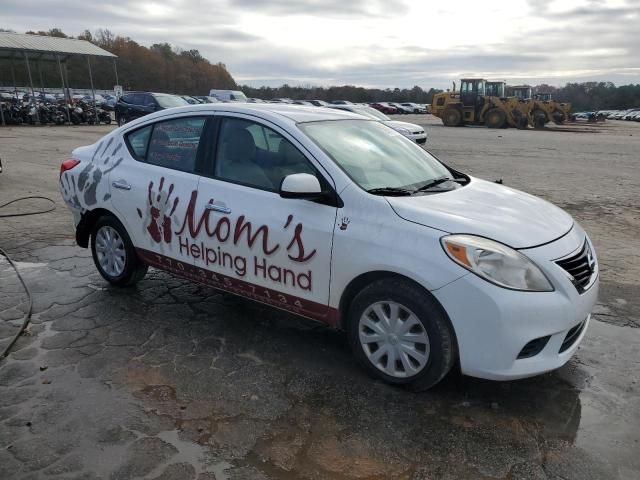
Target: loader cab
point(472, 91)
point(496, 89)
point(523, 92)
point(543, 97)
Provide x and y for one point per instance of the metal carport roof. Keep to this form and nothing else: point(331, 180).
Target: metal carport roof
point(38, 47)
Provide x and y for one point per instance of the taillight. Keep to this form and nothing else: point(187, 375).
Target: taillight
point(68, 165)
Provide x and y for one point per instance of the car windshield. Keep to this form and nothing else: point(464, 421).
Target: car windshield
point(168, 101)
point(374, 155)
point(371, 113)
point(238, 96)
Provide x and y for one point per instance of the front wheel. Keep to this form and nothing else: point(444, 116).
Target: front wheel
point(452, 117)
point(495, 118)
point(114, 254)
point(400, 333)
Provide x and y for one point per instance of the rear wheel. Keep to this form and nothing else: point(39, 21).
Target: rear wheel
point(539, 118)
point(114, 254)
point(558, 117)
point(399, 333)
point(452, 117)
point(495, 118)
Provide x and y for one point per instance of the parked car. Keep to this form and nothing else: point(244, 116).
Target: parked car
point(319, 103)
point(401, 109)
point(384, 108)
point(430, 267)
point(410, 130)
point(207, 99)
point(133, 105)
point(190, 100)
point(415, 107)
point(341, 102)
point(228, 95)
point(303, 102)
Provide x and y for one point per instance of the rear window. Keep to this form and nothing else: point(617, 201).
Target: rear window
point(168, 101)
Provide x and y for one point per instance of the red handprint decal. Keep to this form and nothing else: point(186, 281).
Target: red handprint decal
point(157, 220)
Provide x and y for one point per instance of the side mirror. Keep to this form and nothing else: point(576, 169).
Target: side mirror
point(300, 185)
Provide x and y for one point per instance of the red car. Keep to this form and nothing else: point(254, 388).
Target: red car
point(384, 108)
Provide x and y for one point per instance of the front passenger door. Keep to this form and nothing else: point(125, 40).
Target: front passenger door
point(250, 240)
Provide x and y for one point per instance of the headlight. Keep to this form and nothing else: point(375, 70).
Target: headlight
point(403, 131)
point(496, 263)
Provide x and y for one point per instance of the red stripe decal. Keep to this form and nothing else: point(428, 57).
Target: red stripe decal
point(285, 301)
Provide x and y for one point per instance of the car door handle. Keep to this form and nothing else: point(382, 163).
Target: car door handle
point(121, 184)
point(216, 207)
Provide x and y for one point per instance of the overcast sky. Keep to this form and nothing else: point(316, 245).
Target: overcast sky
point(382, 43)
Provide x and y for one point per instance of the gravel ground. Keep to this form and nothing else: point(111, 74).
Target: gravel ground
point(172, 380)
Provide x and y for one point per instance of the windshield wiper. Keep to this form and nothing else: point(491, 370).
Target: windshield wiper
point(434, 182)
point(391, 191)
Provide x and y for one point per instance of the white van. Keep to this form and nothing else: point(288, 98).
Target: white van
point(228, 95)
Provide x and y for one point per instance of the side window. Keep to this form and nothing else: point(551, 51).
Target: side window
point(138, 141)
point(254, 155)
point(148, 100)
point(128, 98)
point(174, 143)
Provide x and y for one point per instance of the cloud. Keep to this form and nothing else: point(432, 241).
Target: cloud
point(359, 8)
point(371, 42)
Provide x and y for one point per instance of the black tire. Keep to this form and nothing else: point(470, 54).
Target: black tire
point(434, 320)
point(452, 117)
point(522, 123)
point(134, 270)
point(559, 117)
point(539, 118)
point(107, 120)
point(122, 120)
point(495, 118)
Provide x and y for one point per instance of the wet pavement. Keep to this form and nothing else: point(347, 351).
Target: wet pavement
point(173, 380)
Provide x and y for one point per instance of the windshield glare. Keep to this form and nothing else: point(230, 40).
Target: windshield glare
point(168, 101)
point(371, 113)
point(374, 155)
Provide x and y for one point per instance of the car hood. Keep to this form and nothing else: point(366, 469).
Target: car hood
point(412, 127)
point(489, 210)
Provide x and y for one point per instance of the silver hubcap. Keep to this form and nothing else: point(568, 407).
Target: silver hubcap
point(110, 251)
point(393, 339)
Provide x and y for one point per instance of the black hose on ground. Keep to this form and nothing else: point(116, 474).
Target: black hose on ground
point(27, 316)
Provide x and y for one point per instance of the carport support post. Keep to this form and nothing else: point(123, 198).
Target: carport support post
point(115, 69)
point(33, 94)
point(93, 92)
point(41, 81)
point(13, 78)
point(2, 113)
point(64, 92)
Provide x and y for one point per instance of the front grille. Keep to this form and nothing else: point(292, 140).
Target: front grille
point(534, 347)
point(581, 267)
point(572, 336)
point(418, 132)
point(421, 140)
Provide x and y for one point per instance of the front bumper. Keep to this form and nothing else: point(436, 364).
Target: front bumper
point(494, 324)
point(419, 138)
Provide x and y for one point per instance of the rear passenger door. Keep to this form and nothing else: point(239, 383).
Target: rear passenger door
point(152, 187)
point(249, 240)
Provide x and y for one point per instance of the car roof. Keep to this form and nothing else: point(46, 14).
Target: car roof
point(294, 113)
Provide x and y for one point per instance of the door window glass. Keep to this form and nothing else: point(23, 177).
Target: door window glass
point(254, 155)
point(138, 141)
point(174, 143)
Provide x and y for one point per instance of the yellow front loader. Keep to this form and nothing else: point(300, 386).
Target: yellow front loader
point(542, 108)
point(473, 106)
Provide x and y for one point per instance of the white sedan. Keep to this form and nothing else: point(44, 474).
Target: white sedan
point(412, 131)
point(340, 219)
